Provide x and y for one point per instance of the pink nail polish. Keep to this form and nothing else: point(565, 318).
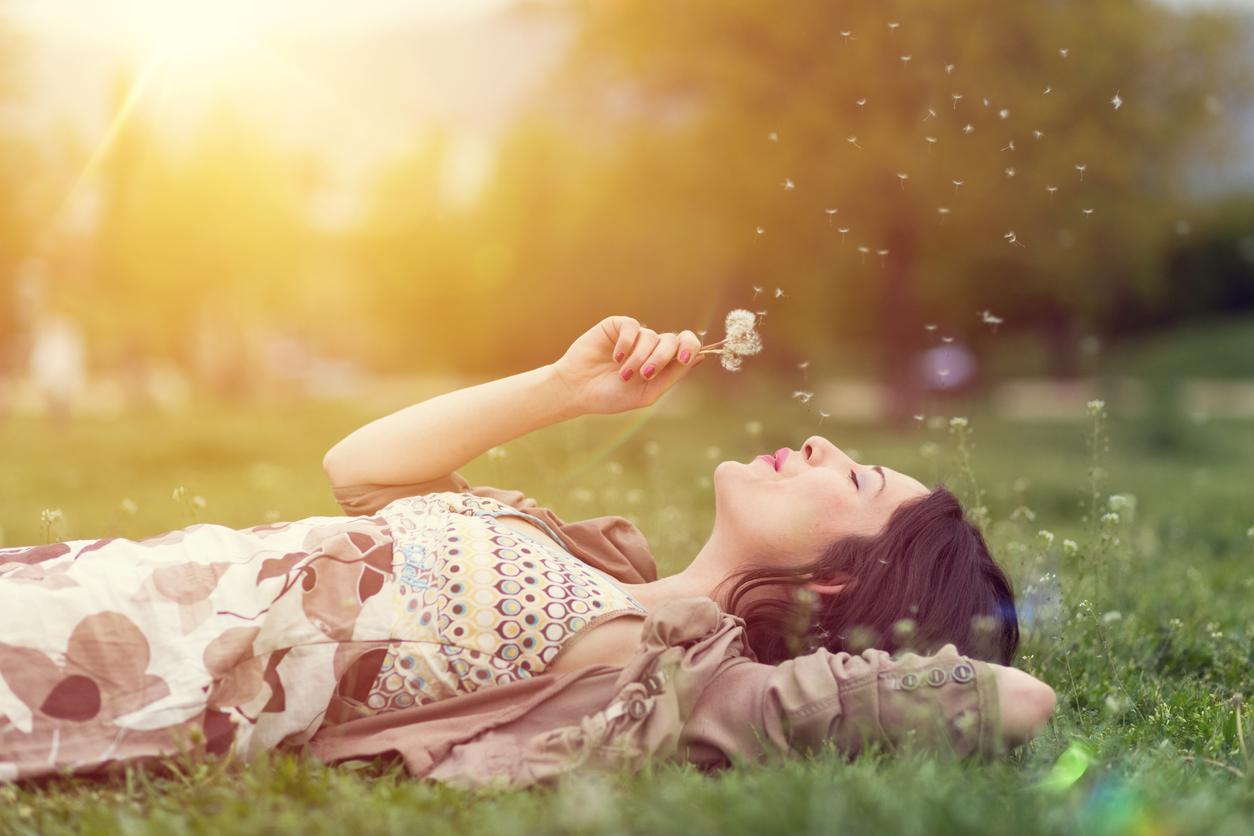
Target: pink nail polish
point(625, 374)
point(618, 358)
point(647, 371)
point(684, 355)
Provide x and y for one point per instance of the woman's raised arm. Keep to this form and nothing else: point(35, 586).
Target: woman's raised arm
point(616, 366)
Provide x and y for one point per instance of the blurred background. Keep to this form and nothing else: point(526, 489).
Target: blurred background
point(248, 200)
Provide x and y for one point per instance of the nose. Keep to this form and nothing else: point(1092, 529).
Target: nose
point(818, 451)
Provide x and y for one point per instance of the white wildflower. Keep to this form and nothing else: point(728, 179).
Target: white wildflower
point(50, 516)
point(1096, 406)
point(958, 422)
point(1047, 536)
point(1070, 546)
point(1111, 518)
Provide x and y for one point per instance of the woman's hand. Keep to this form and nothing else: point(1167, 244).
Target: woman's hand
point(618, 365)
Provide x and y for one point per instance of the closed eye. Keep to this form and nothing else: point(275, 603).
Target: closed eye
point(853, 476)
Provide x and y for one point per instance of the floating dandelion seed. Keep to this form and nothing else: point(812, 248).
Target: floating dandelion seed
point(1010, 172)
point(1081, 168)
point(919, 418)
point(1003, 113)
point(756, 291)
point(1010, 147)
point(853, 140)
point(931, 140)
point(1037, 134)
point(761, 231)
point(1116, 101)
point(1086, 212)
point(957, 183)
point(892, 26)
point(947, 339)
point(860, 102)
point(864, 251)
point(905, 59)
point(804, 397)
point(742, 340)
point(903, 177)
point(1051, 190)
point(881, 254)
point(955, 97)
point(773, 137)
point(842, 233)
point(988, 319)
point(823, 415)
point(805, 369)
point(968, 129)
point(788, 185)
point(1010, 236)
point(778, 293)
point(943, 211)
point(1063, 52)
point(929, 327)
point(986, 102)
point(830, 213)
point(846, 35)
point(931, 114)
point(949, 68)
point(1048, 90)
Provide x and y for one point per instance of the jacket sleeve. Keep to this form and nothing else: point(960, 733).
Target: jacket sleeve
point(762, 712)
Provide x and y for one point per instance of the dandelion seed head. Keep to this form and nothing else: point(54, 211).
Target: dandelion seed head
point(1051, 189)
point(902, 175)
point(1116, 101)
point(730, 362)
point(957, 182)
point(1048, 90)
point(1010, 172)
point(968, 129)
point(1010, 147)
point(778, 292)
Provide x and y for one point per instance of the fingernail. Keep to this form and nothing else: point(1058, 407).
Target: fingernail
point(618, 358)
point(625, 374)
point(647, 371)
point(684, 355)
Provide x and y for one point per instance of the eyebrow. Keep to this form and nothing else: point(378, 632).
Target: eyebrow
point(883, 485)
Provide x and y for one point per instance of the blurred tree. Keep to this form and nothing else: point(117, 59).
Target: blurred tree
point(18, 162)
point(200, 248)
point(906, 163)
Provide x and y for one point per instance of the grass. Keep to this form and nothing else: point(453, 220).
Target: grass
point(1144, 628)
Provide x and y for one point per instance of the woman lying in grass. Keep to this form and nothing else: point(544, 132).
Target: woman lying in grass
point(483, 639)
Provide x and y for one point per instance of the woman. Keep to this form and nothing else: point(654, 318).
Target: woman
point(481, 638)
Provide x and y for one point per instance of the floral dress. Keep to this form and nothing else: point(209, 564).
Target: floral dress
point(211, 639)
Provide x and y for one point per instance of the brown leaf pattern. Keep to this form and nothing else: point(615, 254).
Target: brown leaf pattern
point(206, 639)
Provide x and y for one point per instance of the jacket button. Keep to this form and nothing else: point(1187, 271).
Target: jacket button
point(909, 682)
point(936, 677)
point(636, 709)
point(653, 684)
point(963, 673)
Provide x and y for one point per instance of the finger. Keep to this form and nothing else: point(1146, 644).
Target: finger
point(646, 341)
point(628, 331)
point(689, 347)
point(663, 355)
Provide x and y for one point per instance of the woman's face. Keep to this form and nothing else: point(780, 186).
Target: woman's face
point(791, 506)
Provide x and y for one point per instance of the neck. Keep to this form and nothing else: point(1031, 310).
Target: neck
point(714, 564)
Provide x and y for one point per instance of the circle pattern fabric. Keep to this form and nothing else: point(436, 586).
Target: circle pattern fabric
point(476, 603)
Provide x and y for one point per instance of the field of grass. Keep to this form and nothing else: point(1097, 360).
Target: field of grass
point(1144, 627)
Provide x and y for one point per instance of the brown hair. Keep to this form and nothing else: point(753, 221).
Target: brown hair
point(924, 581)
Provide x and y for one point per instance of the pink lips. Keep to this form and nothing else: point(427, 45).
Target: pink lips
point(777, 461)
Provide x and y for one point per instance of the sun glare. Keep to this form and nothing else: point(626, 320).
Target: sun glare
point(185, 25)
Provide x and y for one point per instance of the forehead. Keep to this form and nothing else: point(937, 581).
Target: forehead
point(906, 486)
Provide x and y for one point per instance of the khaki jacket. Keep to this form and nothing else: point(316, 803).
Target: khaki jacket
point(693, 692)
